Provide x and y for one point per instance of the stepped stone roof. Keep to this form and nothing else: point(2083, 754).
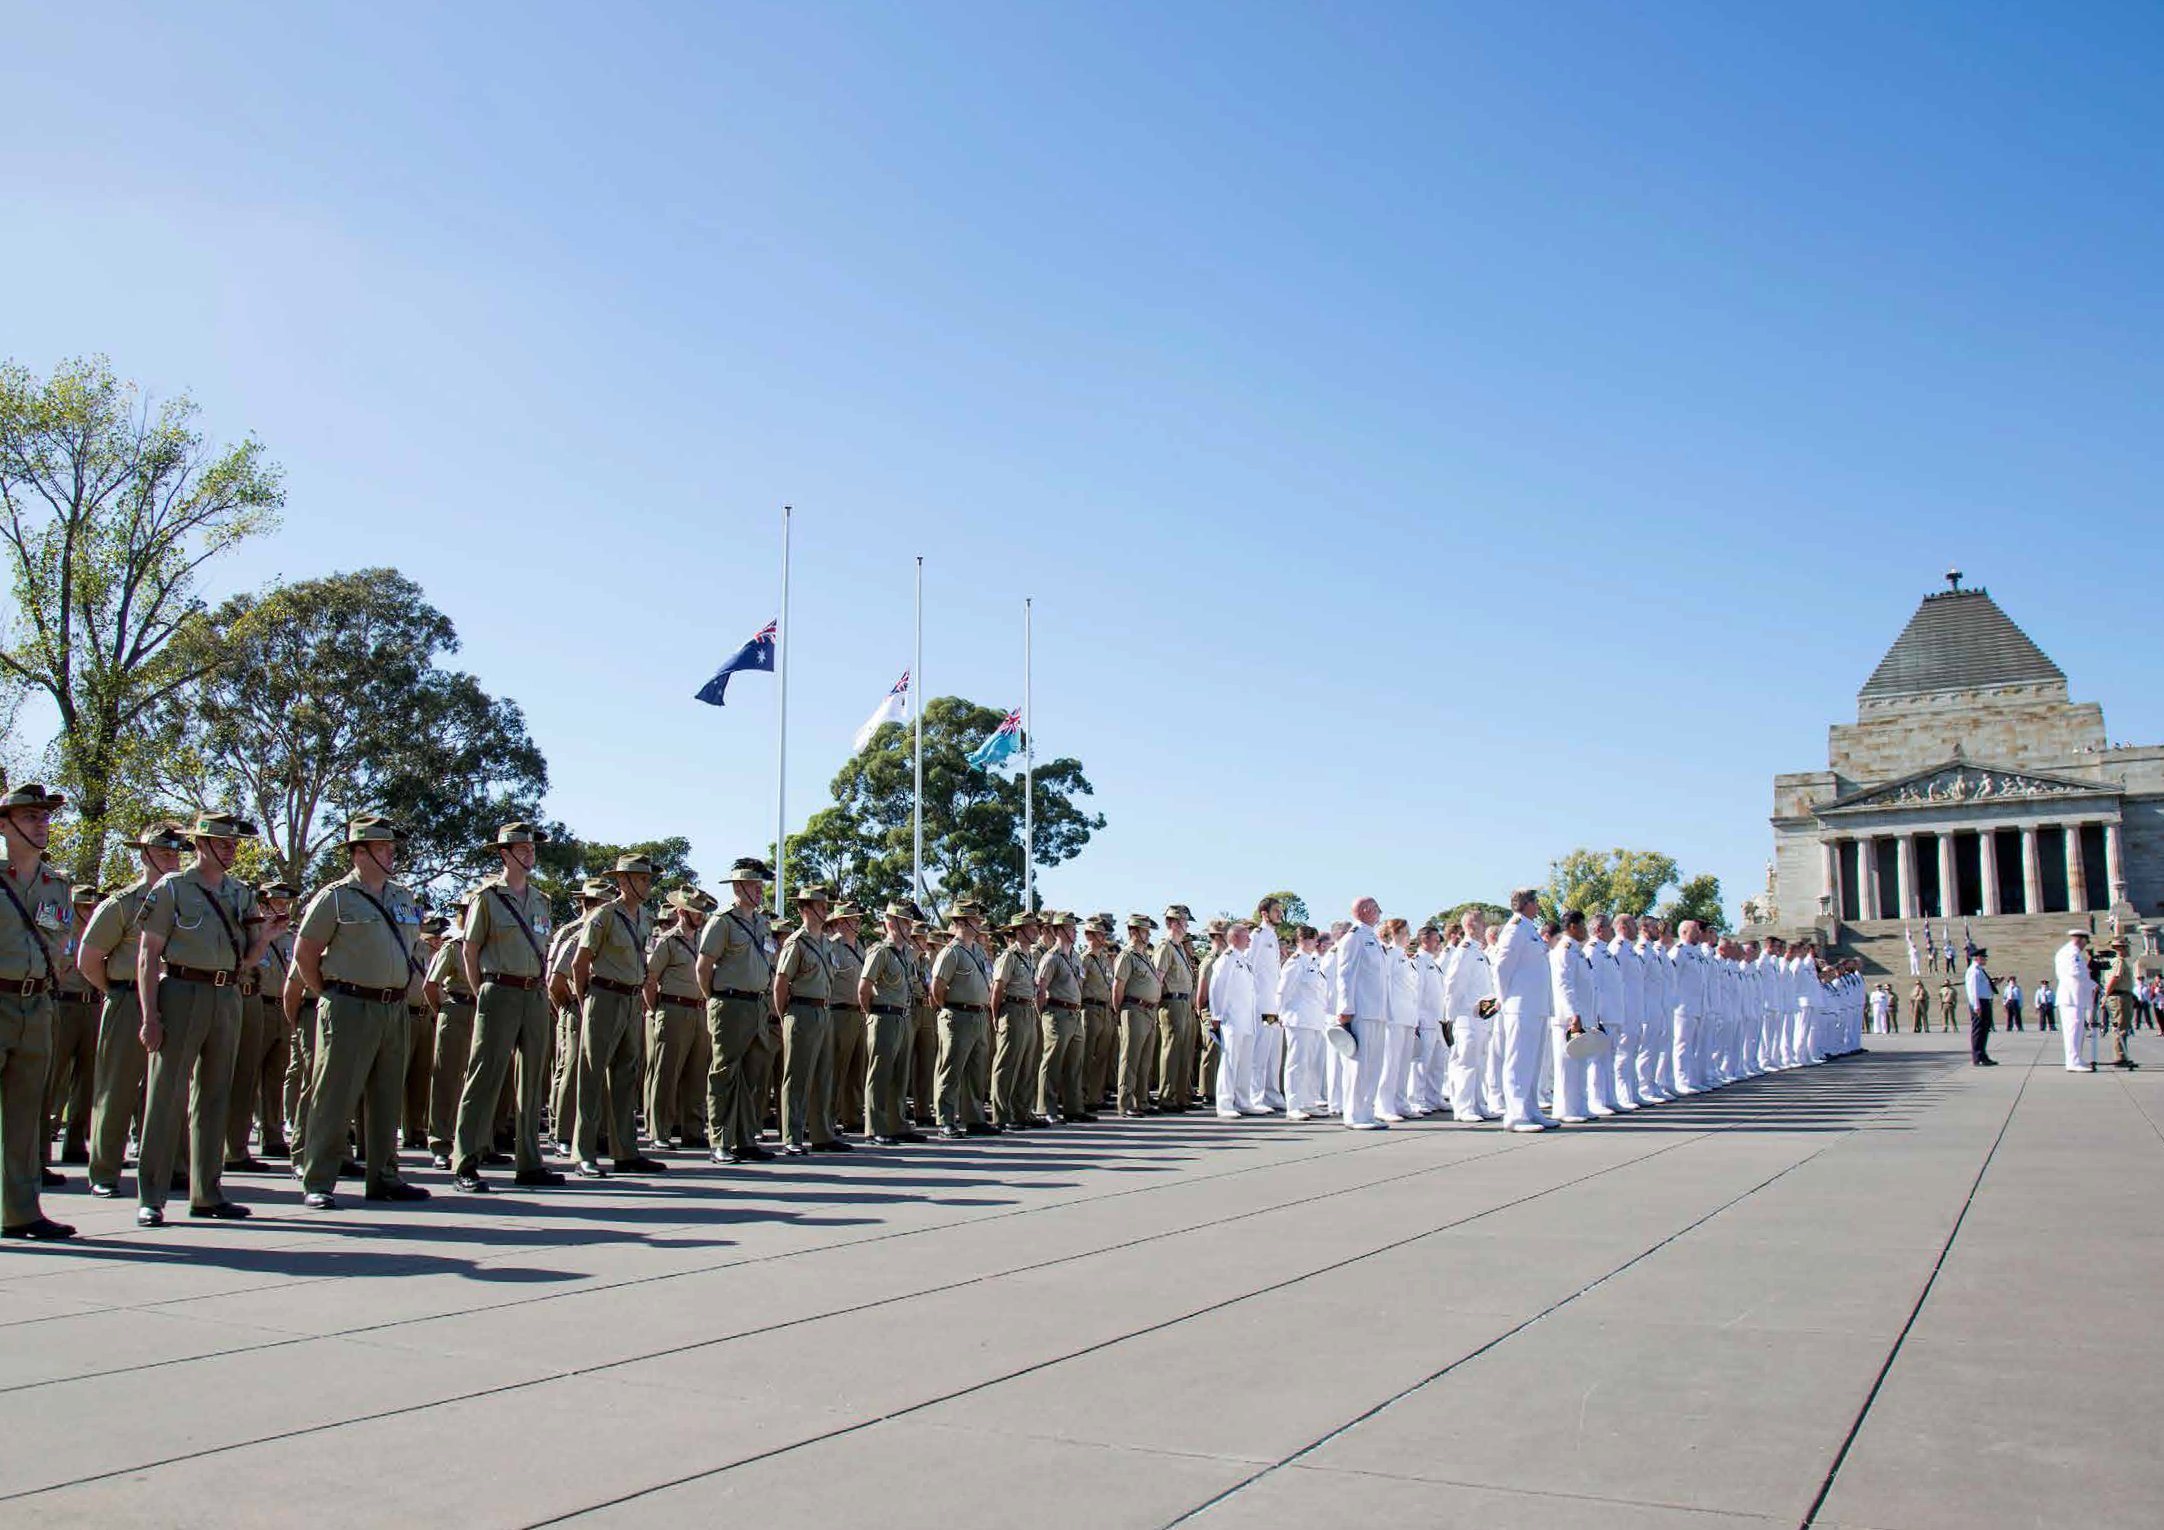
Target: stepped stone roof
point(1959, 640)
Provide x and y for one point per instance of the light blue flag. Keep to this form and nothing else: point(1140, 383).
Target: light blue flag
point(999, 744)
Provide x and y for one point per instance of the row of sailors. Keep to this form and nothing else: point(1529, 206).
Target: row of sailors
point(1479, 1020)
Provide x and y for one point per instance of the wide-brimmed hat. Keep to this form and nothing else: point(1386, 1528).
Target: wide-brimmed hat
point(1058, 919)
point(845, 910)
point(632, 866)
point(749, 868)
point(598, 888)
point(366, 829)
point(1100, 924)
point(31, 795)
point(815, 892)
point(159, 834)
point(969, 909)
point(1218, 927)
point(221, 826)
point(519, 833)
point(1140, 921)
point(85, 892)
point(435, 924)
point(902, 910)
point(1179, 911)
point(277, 889)
point(692, 898)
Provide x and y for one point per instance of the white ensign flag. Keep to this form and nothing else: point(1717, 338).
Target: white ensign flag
point(895, 708)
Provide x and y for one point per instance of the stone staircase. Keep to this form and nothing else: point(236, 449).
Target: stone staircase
point(2021, 945)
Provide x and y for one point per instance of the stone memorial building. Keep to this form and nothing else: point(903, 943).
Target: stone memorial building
point(1972, 795)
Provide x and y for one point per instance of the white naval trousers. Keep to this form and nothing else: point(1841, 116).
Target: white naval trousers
point(1236, 1094)
point(1472, 1038)
point(1653, 1058)
point(1305, 1054)
point(1623, 1066)
point(1573, 1075)
point(1431, 1060)
point(1364, 1074)
point(1267, 1072)
point(1685, 1045)
point(1523, 1043)
point(1391, 1098)
point(2073, 1025)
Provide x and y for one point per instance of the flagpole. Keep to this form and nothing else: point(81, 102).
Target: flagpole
point(916, 719)
point(1029, 781)
point(781, 732)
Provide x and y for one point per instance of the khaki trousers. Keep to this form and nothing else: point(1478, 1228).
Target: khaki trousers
point(447, 1071)
point(736, 1080)
point(360, 1062)
point(671, 1043)
point(1176, 1054)
point(1206, 1075)
point(921, 1060)
point(1100, 1051)
point(259, 1076)
point(72, 1073)
point(961, 1043)
point(846, 1023)
point(190, 1079)
point(1059, 1072)
point(608, 1074)
point(1014, 1081)
point(1138, 1045)
point(511, 1026)
point(691, 1084)
point(301, 1072)
point(420, 1074)
point(807, 1077)
point(117, 1096)
point(26, 1045)
point(564, 1092)
point(886, 1039)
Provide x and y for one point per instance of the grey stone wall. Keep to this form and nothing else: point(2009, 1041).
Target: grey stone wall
point(2011, 725)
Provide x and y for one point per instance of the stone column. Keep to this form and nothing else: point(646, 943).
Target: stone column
point(2077, 875)
point(1867, 873)
point(1829, 865)
point(1987, 841)
point(1905, 875)
point(2032, 872)
point(2114, 865)
point(1949, 899)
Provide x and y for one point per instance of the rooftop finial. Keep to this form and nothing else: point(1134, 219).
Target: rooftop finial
point(1953, 581)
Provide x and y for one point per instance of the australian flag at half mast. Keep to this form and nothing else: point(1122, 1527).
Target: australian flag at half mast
point(756, 654)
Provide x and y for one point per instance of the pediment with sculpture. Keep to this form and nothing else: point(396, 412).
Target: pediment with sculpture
point(1963, 783)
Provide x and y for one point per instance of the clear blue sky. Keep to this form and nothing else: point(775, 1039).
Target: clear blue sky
point(1435, 436)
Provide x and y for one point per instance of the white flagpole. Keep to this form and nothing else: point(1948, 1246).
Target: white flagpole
point(916, 719)
point(781, 732)
point(1029, 770)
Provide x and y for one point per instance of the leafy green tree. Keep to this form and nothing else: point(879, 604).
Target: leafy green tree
point(836, 847)
point(1619, 880)
point(566, 861)
point(1493, 913)
point(108, 509)
point(1699, 899)
point(331, 702)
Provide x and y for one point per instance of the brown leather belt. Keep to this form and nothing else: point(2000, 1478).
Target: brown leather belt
point(1135, 1003)
point(24, 988)
point(368, 995)
point(610, 985)
point(1060, 1004)
point(506, 980)
point(741, 995)
point(886, 1009)
point(680, 1003)
point(1175, 998)
point(853, 1009)
point(808, 1003)
point(217, 977)
point(125, 985)
point(967, 1009)
point(418, 1011)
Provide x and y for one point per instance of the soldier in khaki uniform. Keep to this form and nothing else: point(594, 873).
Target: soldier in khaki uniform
point(451, 997)
point(803, 986)
point(594, 895)
point(845, 1016)
point(736, 972)
point(920, 1058)
point(355, 951)
point(1175, 1013)
point(421, 1035)
point(1100, 1028)
point(679, 1015)
point(36, 915)
point(260, 1062)
point(1014, 1023)
point(609, 976)
point(2117, 993)
point(107, 961)
point(203, 926)
point(884, 993)
point(1136, 992)
point(962, 988)
point(75, 1048)
point(1060, 1067)
point(1206, 1080)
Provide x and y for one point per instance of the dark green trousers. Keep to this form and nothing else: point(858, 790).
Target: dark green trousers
point(190, 1081)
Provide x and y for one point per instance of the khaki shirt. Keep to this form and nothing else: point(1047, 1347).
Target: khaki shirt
point(920, 980)
point(50, 902)
point(566, 949)
point(808, 966)
point(179, 909)
point(1062, 979)
point(848, 967)
point(1097, 977)
point(673, 965)
point(447, 970)
point(271, 971)
point(967, 976)
point(495, 935)
point(115, 927)
point(359, 948)
point(890, 970)
point(72, 984)
point(617, 938)
point(1013, 972)
point(742, 948)
point(1175, 967)
point(1137, 973)
point(1202, 982)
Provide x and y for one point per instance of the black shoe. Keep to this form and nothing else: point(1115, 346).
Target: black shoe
point(980, 1129)
point(640, 1163)
point(413, 1144)
point(536, 1177)
point(1042, 1121)
point(398, 1192)
point(589, 1169)
point(43, 1230)
point(246, 1166)
point(909, 1136)
point(104, 1192)
point(51, 1179)
point(697, 1142)
point(758, 1154)
point(881, 1140)
point(74, 1155)
point(725, 1155)
point(1087, 1115)
point(277, 1150)
point(949, 1134)
point(472, 1184)
point(439, 1160)
point(351, 1168)
point(317, 1200)
point(834, 1146)
point(149, 1216)
point(794, 1150)
point(224, 1211)
point(496, 1159)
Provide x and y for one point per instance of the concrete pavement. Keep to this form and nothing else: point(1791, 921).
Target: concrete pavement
point(1894, 1292)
